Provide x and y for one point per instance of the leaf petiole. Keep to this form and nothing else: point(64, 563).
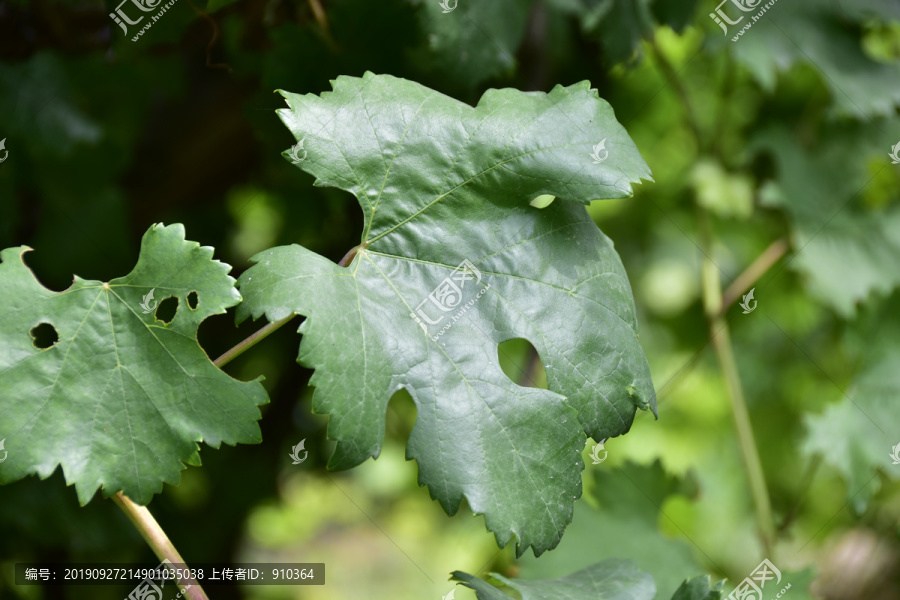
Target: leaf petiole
point(251, 341)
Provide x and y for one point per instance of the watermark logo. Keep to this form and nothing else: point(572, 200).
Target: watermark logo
point(721, 18)
point(895, 456)
point(145, 303)
point(295, 151)
point(3, 441)
point(445, 4)
point(746, 300)
point(147, 588)
point(449, 596)
point(121, 18)
point(446, 297)
point(601, 147)
point(295, 452)
point(595, 453)
point(751, 587)
point(6, 152)
point(895, 153)
point(723, 21)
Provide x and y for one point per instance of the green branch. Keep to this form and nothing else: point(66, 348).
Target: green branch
point(157, 539)
point(715, 305)
point(251, 341)
point(263, 333)
point(751, 274)
point(721, 339)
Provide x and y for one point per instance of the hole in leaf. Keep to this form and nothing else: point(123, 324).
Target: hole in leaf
point(192, 300)
point(543, 201)
point(520, 361)
point(401, 415)
point(166, 310)
point(45, 336)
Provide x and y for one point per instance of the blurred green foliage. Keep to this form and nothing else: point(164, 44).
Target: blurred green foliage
point(784, 134)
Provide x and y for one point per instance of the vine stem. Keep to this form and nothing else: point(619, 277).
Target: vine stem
point(752, 273)
point(251, 341)
point(672, 76)
point(157, 539)
point(322, 19)
point(714, 306)
point(721, 339)
point(264, 332)
point(319, 14)
point(759, 267)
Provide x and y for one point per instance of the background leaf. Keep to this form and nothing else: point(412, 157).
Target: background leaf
point(610, 579)
point(792, 33)
point(461, 44)
point(624, 504)
point(856, 434)
point(847, 249)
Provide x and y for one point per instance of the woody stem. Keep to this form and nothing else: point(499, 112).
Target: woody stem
point(751, 274)
point(158, 541)
point(721, 339)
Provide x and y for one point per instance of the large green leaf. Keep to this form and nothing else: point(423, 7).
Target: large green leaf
point(610, 580)
point(441, 183)
point(121, 399)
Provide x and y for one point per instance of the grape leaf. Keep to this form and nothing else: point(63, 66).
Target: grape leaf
point(619, 25)
point(121, 399)
point(858, 434)
point(470, 42)
point(611, 579)
point(815, 33)
point(845, 250)
point(699, 588)
point(676, 15)
point(445, 190)
point(474, 41)
point(626, 507)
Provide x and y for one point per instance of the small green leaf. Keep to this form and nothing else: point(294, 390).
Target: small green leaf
point(699, 588)
point(619, 26)
point(450, 239)
point(120, 399)
point(472, 42)
point(624, 504)
point(610, 580)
